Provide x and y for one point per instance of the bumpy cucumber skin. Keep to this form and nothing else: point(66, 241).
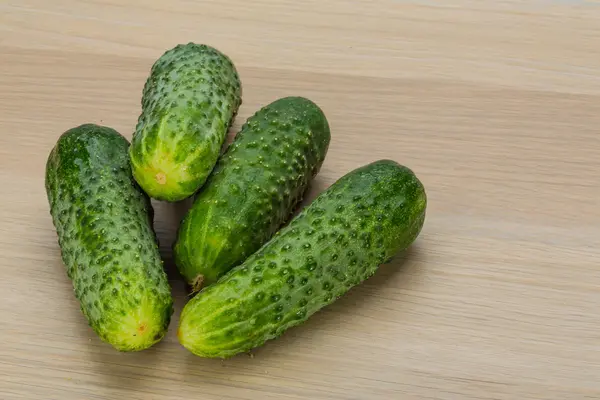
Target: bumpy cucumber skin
point(254, 189)
point(338, 241)
point(189, 101)
point(104, 226)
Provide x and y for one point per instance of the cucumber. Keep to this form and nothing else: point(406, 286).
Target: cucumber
point(189, 102)
point(104, 225)
point(335, 243)
point(254, 189)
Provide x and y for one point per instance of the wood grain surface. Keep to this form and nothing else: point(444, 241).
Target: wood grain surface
point(496, 107)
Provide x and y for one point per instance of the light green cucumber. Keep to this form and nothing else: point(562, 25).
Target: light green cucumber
point(189, 102)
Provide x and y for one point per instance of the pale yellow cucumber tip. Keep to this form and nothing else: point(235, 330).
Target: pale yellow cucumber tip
point(161, 178)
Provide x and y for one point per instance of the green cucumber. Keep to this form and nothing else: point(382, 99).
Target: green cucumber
point(104, 225)
point(335, 243)
point(254, 189)
point(189, 102)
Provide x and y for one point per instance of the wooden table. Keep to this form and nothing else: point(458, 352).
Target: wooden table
point(496, 107)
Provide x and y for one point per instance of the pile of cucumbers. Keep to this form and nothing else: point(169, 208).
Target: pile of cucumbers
point(253, 270)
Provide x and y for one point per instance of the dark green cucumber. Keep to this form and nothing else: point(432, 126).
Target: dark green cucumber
point(255, 187)
point(335, 243)
point(189, 102)
point(104, 226)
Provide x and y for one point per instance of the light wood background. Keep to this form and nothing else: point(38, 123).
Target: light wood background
point(495, 105)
